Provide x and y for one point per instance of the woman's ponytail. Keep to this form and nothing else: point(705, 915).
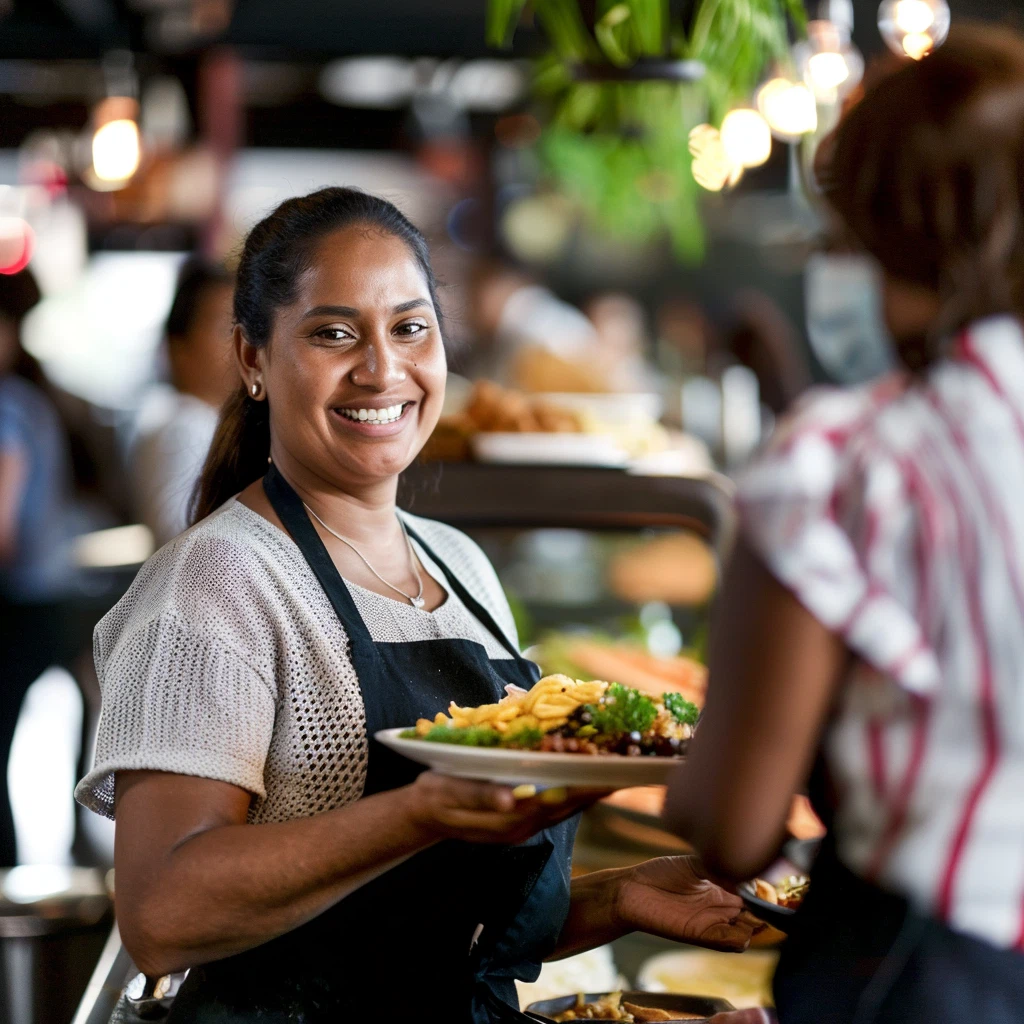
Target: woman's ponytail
point(238, 454)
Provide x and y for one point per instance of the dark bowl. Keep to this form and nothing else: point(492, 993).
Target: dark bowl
point(770, 913)
point(705, 1005)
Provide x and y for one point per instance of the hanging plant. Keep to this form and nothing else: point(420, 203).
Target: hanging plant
point(624, 85)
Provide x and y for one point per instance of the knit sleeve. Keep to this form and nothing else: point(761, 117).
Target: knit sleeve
point(177, 701)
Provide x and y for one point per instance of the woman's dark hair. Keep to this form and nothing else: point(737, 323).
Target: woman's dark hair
point(196, 277)
point(926, 174)
point(277, 251)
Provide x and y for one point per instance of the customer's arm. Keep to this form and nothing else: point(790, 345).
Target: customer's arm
point(773, 673)
point(13, 477)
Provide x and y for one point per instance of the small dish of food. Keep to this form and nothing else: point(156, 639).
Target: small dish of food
point(775, 902)
point(629, 1006)
point(562, 732)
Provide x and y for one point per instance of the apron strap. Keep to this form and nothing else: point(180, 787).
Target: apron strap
point(481, 613)
point(288, 505)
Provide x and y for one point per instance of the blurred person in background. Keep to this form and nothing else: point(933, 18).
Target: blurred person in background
point(872, 622)
point(536, 341)
point(36, 572)
point(176, 423)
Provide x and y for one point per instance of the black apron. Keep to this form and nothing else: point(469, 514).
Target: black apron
point(403, 944)
point(857, 954)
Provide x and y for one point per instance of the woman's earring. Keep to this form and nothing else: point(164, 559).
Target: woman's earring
point(257, 389)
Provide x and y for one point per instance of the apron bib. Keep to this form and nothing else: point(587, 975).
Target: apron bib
point(404, 942)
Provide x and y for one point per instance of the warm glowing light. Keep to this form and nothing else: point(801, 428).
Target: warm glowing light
point(827, 61)
point(746, 138)
point(789, 107)
point(918, 45)
point(828, 70)
point(116, 150)
point(913, 28)
point(914, 16)
point(712, 168)
point(16, 244)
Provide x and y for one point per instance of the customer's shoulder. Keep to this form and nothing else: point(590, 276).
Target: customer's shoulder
point(840, 419)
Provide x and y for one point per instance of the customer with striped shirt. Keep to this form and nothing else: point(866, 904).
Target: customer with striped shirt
point(873, 618)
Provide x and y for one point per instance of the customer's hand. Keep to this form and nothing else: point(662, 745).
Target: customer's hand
point(671, 897)
point(481, 812)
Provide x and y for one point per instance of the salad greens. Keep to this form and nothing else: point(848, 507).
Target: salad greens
point(623, 710)
point(685, 712)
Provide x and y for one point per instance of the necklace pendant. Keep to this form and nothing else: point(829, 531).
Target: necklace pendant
point(417, 602)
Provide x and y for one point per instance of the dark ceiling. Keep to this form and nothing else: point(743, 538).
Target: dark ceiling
point(83, 28)
point(305, 33)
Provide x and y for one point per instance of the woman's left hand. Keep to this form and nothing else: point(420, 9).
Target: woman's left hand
point(671, 897)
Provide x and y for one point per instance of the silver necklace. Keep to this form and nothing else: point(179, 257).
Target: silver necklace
point(417, 601)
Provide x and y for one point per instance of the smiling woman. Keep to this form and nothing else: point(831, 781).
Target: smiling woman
point(264, 840)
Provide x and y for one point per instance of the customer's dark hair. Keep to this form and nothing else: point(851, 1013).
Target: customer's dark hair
point(18, 294)
point(196, 277)
point(927, 170)
point(279, 248)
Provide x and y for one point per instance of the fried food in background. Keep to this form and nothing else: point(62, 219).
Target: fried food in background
point(677, 568)
point(595, 658)
point(450, 440)
point(492, 408)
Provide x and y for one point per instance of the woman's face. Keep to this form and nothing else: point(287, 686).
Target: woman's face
point(355, 370)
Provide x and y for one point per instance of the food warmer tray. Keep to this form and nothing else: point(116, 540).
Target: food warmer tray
point(472, 495)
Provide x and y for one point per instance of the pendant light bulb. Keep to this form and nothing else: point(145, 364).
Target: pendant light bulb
point(789, 108)
point(914, 28)
point(827, 61)
point(746, 137)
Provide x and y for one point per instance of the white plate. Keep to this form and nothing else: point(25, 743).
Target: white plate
point(517, 766)
point(535, 449)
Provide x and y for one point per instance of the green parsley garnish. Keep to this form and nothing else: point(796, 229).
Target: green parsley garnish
point(622, 710)
point(685, 712)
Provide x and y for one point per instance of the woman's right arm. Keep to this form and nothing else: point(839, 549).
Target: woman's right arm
point(196, 883)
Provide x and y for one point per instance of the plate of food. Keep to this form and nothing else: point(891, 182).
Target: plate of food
point(562, 732)
point(777, 901)
point(629, 1006)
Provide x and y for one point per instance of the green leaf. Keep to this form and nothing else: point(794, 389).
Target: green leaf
point(502, 21)
point(613, 33)
point(565, 27)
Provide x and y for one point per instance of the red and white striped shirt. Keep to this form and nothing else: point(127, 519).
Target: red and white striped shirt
point(895, 513)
